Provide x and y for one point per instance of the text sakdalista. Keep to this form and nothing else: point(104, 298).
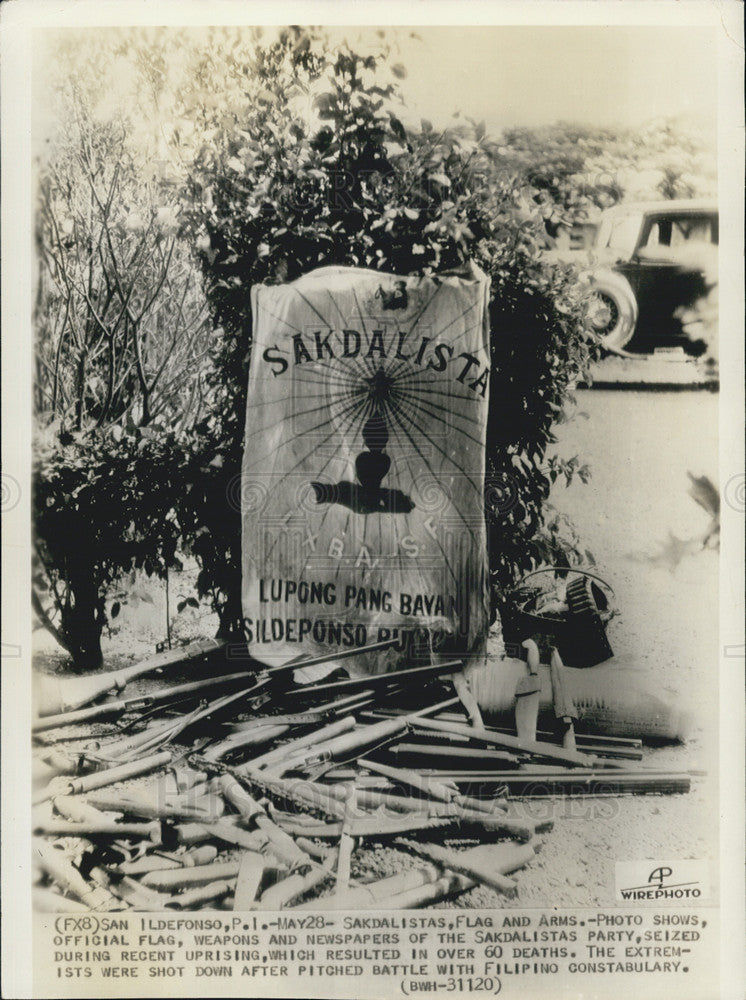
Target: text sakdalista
point(320, 345)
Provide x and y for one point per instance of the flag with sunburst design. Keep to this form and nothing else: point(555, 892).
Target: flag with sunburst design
point(363, 470)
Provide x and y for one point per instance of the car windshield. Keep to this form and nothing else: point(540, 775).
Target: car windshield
point(671, 232)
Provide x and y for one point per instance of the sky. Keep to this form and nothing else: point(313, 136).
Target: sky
point(536, 75)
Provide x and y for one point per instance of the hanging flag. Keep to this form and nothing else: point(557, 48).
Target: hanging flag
point(363, 470)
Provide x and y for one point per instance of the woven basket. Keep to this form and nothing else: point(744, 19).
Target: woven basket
point(579, 634)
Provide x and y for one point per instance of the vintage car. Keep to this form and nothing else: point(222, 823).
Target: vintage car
point(652, 266)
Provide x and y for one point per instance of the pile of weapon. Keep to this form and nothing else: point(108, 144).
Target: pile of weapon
point(248, 791)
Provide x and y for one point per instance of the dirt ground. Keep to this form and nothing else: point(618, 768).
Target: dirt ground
point(645, 532)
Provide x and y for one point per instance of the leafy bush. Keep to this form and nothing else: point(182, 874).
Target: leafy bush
point(271, 196)
point(99, 511)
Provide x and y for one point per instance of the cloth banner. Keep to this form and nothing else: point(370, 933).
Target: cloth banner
point(363, 471)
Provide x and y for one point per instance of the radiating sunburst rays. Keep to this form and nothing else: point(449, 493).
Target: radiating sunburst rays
point(434, 423)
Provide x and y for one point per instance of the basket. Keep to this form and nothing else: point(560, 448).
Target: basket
point(579, 634)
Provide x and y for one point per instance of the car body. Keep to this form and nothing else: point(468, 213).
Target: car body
point(651, 266)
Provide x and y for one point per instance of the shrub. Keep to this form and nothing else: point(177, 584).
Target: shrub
point(271, 196)
point(99, 511)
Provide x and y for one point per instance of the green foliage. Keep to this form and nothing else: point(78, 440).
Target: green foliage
point(271, 196)
point(564, 169)
point(99, 512)
point(573, 171)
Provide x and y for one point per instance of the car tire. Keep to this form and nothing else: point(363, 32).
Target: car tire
point(614, 311)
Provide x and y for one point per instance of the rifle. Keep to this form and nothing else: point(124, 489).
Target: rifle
point(608, 746)
point(60, 695)
point(282, 753)
point(535, 781)
point(435, 756)
point(99, 779)
point(166, 732)
point(533, 747)
point(354, 743)
point(443, 791)
point(398, 677)
point(178, 693)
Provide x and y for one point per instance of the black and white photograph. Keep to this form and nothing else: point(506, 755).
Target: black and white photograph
point(372, 500)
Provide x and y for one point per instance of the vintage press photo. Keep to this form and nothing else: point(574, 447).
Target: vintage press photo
point(373, 500)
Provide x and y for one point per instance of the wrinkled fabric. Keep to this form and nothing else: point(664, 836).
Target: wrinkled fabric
point(363, 471)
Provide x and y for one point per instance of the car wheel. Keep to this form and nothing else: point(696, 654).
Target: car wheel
point(613, 311)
